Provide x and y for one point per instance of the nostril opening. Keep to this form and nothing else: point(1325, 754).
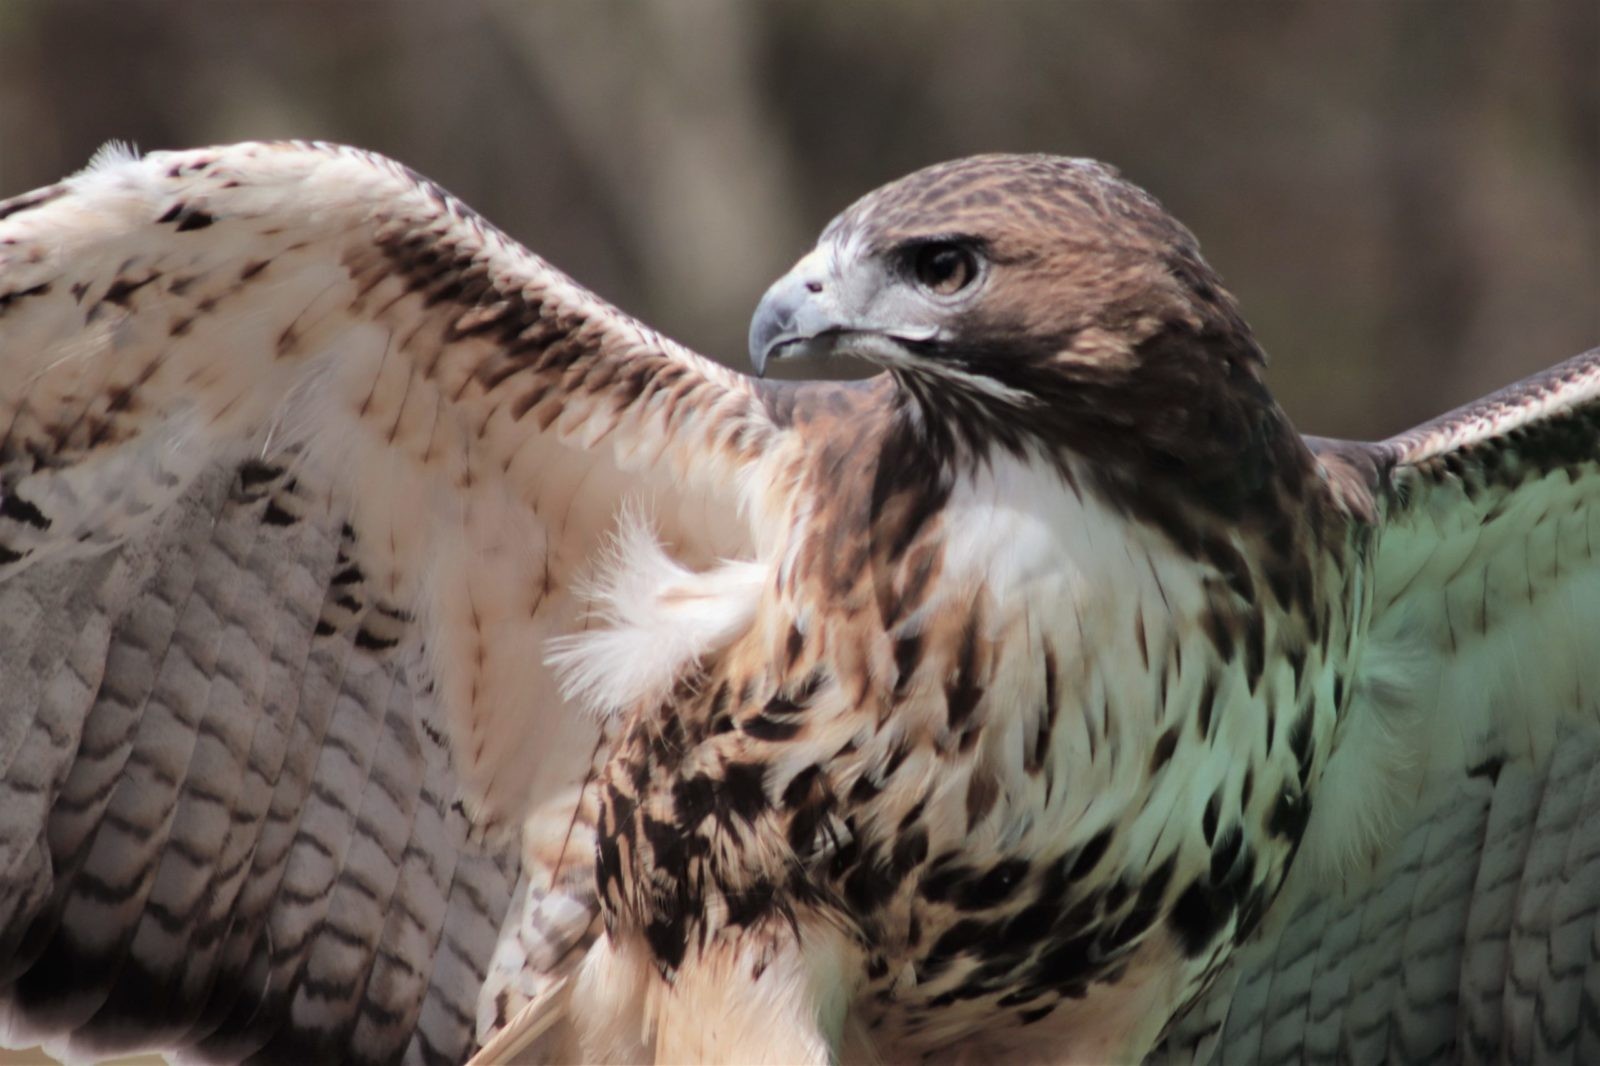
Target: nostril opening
point(813, 286)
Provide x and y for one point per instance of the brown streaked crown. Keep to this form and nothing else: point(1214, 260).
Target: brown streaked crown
point(1083, 260)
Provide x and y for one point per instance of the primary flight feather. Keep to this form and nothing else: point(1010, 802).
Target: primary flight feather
point(985, 707)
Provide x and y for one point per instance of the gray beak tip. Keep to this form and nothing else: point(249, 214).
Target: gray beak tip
point(771, 321)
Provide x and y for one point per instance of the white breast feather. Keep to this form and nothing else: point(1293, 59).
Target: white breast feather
point(1064, 569)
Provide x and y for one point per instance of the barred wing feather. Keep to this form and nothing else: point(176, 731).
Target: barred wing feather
point(1474, 940)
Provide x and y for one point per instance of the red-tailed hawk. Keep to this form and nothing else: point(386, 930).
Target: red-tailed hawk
point(982, 708)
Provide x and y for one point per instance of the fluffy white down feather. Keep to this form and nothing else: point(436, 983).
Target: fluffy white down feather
point(649, 619)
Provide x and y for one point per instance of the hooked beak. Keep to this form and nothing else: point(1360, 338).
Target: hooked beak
point(813, 311)
point(797, 316)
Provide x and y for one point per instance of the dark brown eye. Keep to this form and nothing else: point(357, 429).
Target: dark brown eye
point(944, 269)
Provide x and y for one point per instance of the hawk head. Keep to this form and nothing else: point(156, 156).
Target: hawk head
point(1031, 301)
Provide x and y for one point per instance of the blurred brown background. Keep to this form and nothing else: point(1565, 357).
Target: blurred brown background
point(1404, 194)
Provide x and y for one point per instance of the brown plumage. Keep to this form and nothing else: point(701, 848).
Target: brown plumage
point(881, 690)
point(980, 708)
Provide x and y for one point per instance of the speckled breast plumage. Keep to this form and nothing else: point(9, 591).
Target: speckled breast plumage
point(1049, 792)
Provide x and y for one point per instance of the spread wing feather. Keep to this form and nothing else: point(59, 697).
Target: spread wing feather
point(1474, 941)
point(478, 415)
point(1486, 584)
point(302, 465)
point(1472, 724)
point(223, 829)
point(1481, 528)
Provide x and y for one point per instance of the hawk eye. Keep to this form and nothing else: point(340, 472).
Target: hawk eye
point(944, 268)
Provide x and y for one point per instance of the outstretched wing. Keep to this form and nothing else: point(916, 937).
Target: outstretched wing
point(1481, 528)
point(450, 426)
point(1486, 581)
point(479, 415)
